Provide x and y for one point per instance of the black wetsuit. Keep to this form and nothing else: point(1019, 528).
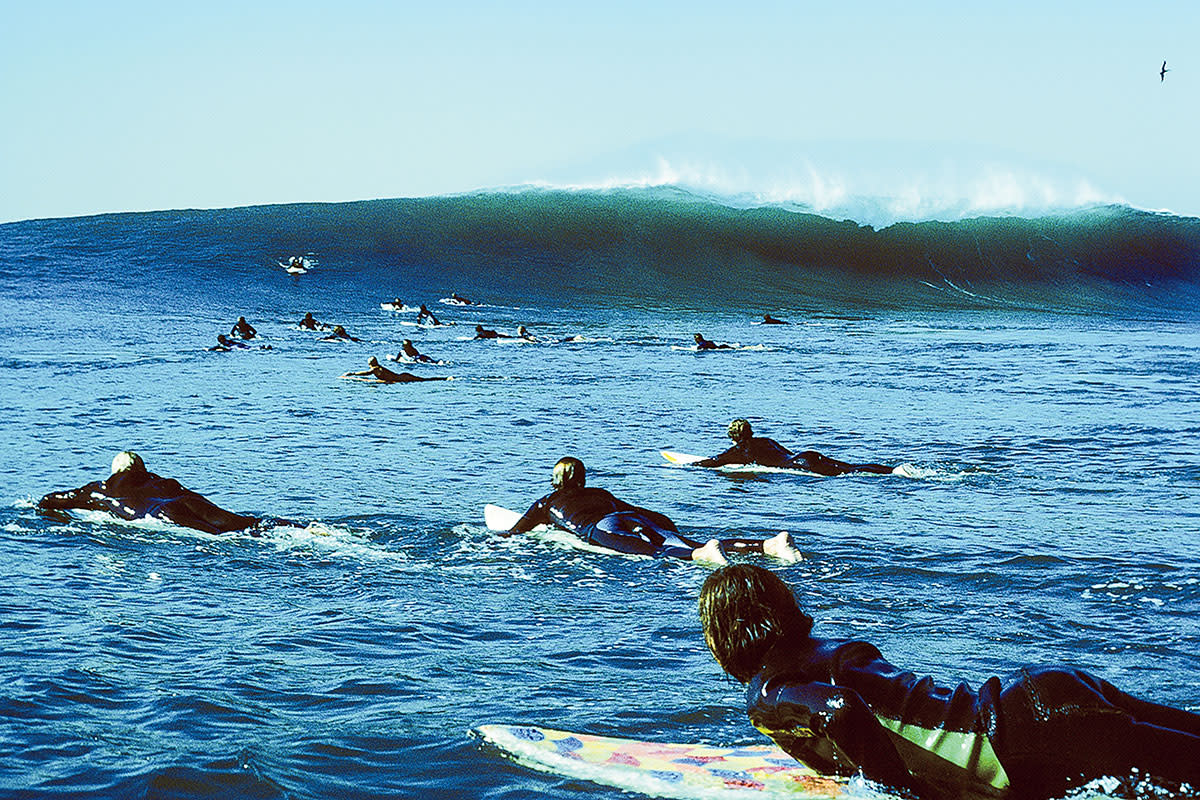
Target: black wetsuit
point(770, 453)
point(387, 376)
point(705, 344)
point(597, 517)
point(427, 316)
point(243, 329)
point(133, 494)
point(839, 707)
point(414, 354)
point(485, 333)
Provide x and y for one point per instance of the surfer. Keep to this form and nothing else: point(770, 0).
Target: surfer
point(243, 329)
point(225, 344)
point(769, 320)
point(839, 707)
point(524, 334)
point(310, 323)
point(385, 375)
point(462, 301)
point(407, 349)
point(750, 449)
point(425, 315)
point(132, 492)
point(599, 518)
point(485, 333)
point(705, 344)
point(339, 334)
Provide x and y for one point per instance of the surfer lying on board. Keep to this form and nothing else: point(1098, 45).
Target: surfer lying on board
point(385, 375)
point(425, 316)
point(243, 329)
point(706, 344)
point(131, 492)
point(225, 344)
point(339, 334)
point(750, 449)
point(769, 320)
point(486, 333)
point(455, 297)
point(408, 350)
point(598, 518)
point(839, 707)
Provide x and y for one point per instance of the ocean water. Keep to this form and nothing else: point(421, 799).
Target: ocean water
point(1040, 375)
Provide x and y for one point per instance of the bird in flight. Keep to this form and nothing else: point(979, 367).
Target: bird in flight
point(1162, 73)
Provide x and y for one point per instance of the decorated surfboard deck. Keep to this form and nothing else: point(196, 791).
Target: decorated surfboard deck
point(662, 770)
point(498, 518)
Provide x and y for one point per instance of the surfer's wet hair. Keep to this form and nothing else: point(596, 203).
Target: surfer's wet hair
point(740, 429)
point(569, 474)
point(746, 610)
point(127, 460)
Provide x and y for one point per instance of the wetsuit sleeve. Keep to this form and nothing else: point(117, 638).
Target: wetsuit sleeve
point(538, 514)
point(733, 455)
point(830, 728)
point(73, 498)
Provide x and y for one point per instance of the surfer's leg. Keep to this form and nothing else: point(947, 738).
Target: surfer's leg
point(630, 532)
point(878, 469)
point(813, 461)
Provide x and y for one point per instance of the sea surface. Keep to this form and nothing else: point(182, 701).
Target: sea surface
point(1041, 375)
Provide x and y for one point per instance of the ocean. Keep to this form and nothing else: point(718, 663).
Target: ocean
point(1040, 373)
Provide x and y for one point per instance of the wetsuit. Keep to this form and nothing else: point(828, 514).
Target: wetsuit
point(243, 329)
point(839, 707)
point(133, 494)
point(485, 333)
point(387, 376)
point(427, 315)
point(770, 453)
point(598, 518)
point(705, 344)
point(412, 353)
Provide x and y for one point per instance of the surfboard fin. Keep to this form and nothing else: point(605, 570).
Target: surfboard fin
point(780, 546)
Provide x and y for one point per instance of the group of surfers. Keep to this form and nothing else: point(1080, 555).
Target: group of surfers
point(833, 704)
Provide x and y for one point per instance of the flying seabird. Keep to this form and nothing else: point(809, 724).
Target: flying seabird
point(1162, 73)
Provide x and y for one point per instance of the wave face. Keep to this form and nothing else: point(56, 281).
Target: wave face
point(669, 246)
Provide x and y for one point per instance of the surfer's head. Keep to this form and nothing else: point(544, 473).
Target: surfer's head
point(127, 461)
point(372, 362)
point(569, 474)
point(739, 429)
point(746, 610)
point(697, 338)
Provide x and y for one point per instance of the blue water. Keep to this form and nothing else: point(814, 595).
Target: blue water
point(1041, 376)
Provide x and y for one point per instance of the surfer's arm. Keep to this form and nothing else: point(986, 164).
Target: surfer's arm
point(72, 498)
point(538, 514)
point(731, 456)
point(830, 728)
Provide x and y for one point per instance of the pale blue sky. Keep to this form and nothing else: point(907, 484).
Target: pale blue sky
point(133, 106)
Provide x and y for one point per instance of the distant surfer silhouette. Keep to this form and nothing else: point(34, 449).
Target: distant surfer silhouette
point(1162, 73)
point(385, 375)
point(310, 323)
point(485, 333)
point(132, 492)
point(339, 334)
point(409, 350)
point(243, 329)
point(425, 315)
point(769, 320)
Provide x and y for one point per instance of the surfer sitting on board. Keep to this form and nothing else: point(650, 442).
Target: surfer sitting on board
point(706, 344)
point(424, 315)
point(750, 449)
point(838, 707)
point(243, 329)
point(598, 518)
point(131, 492)
point(385, 375)
point(408, 350)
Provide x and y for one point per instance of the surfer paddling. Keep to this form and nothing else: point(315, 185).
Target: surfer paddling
point(426, 317)
point(599, 518)
point(132, 492)
point(750, 449)
point(339, 334)
point(708, 344)
point(385, 375)
point(840, 708)
point(769, 320)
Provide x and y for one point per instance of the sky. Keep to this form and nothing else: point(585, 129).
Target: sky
point(131, 106)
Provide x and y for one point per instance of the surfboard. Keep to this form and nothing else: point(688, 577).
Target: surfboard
point(498, 518)
point(662, 770)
